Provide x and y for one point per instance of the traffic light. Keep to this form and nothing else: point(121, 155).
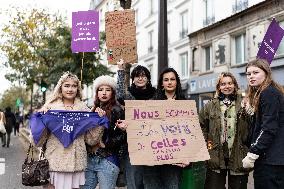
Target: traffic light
point(43, 86)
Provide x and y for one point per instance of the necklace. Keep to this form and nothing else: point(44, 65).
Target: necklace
point(69, 107)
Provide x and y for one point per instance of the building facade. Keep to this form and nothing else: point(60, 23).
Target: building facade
point(204, 38)
point(228, 45)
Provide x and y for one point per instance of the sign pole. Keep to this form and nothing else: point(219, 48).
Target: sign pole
point(82, 67)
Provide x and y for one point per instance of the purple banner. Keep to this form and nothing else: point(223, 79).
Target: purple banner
point(271, 41)
point(85, 31)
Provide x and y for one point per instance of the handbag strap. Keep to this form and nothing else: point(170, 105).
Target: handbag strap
point(43, 149)
point(28, 153)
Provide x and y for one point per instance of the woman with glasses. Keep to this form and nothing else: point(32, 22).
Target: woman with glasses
point(140, 89)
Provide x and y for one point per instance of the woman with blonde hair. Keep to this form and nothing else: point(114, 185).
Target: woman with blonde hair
point(225, 125)
point(2, 128)
point(266, 153)
point(66, 162)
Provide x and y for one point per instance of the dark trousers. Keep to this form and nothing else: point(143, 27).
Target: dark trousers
point(162, 177)
point(218, 180)
point(133, 173)
point(6, 139)
point(268, 176)
point(16, 128)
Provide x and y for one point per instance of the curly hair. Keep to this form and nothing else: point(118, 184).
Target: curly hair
point(57, 93)
point(254, 92)
point(160, 94)
point(221, 76)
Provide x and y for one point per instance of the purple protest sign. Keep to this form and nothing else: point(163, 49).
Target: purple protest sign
point(271, 41)
point(85, 31)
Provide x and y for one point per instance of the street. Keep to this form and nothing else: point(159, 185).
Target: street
point(13, 157)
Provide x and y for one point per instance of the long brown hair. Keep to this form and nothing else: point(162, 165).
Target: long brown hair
point(107, 106)
point(221, 76)
point(2, 117)
point(254, 92)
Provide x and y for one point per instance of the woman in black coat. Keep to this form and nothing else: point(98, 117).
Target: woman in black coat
point(266, 153)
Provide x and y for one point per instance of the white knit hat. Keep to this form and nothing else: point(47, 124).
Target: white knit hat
point(104, 80)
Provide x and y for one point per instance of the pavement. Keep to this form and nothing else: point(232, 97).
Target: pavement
point(11, 160)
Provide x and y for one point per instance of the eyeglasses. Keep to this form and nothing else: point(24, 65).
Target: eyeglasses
point(141, 76)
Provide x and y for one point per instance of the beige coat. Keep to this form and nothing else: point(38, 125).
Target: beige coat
point(73, 158)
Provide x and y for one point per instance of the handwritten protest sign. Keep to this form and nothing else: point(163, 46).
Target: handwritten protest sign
point(85, 31)
point(121, 36)
point(271, 41)
point(164, 132)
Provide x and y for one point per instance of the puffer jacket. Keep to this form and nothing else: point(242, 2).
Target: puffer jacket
point(210, 122)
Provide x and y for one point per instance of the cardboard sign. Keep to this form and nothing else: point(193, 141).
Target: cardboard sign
point(271, 41)
point(164, 132)
point(85, 31)
point(121, 36)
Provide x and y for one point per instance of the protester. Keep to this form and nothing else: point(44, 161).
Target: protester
point(10, 124)
point(165, 176)
point(103, 161)
point(266, 153)
point(225, 125)
point(66, 164)
point(2, 128)
point(140, 89)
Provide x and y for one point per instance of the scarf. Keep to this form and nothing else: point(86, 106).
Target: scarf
point(65, 125)
point(227, 100)
point(142, 94)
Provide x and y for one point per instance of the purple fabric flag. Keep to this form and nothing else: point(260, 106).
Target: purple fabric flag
point(65, 125)
point(271, 41)
point(85, 31)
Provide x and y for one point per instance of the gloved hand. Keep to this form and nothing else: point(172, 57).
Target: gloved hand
point(248, 161)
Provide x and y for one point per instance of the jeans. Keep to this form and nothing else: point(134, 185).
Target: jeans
point(218, 180)
point(133, 173)
point(100, 170)
point(162, 177)
point(268, 176)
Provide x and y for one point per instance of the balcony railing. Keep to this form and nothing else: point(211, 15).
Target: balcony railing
point(183, 34)
point(240, 6)
point(208, 20)
point(150, 49)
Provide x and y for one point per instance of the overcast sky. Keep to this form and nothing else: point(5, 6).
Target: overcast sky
point(66, 7)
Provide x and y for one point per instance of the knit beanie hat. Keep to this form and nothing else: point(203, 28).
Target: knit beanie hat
point(104, 80)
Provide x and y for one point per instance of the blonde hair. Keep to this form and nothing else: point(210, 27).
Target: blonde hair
point(57, 93)
point(221, 76)
point(254, 92)
point(2, 117)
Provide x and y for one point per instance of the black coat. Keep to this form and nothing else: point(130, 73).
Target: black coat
point(10, 121)
point(268, 134)
point(114, 138)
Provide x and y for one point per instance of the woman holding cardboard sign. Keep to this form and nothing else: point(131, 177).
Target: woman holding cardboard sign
point(165, 176)
point(225, 125)
point(140, 89)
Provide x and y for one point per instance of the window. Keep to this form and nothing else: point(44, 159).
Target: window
point(151, 7)
point(195, 66)
point(136, 17)
point(184, 25)
point(280, 50)
point(208, 58)
point(239, 5)
point(150, 41)
point(209, 12)
point(184, 64)
point(240, 46)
